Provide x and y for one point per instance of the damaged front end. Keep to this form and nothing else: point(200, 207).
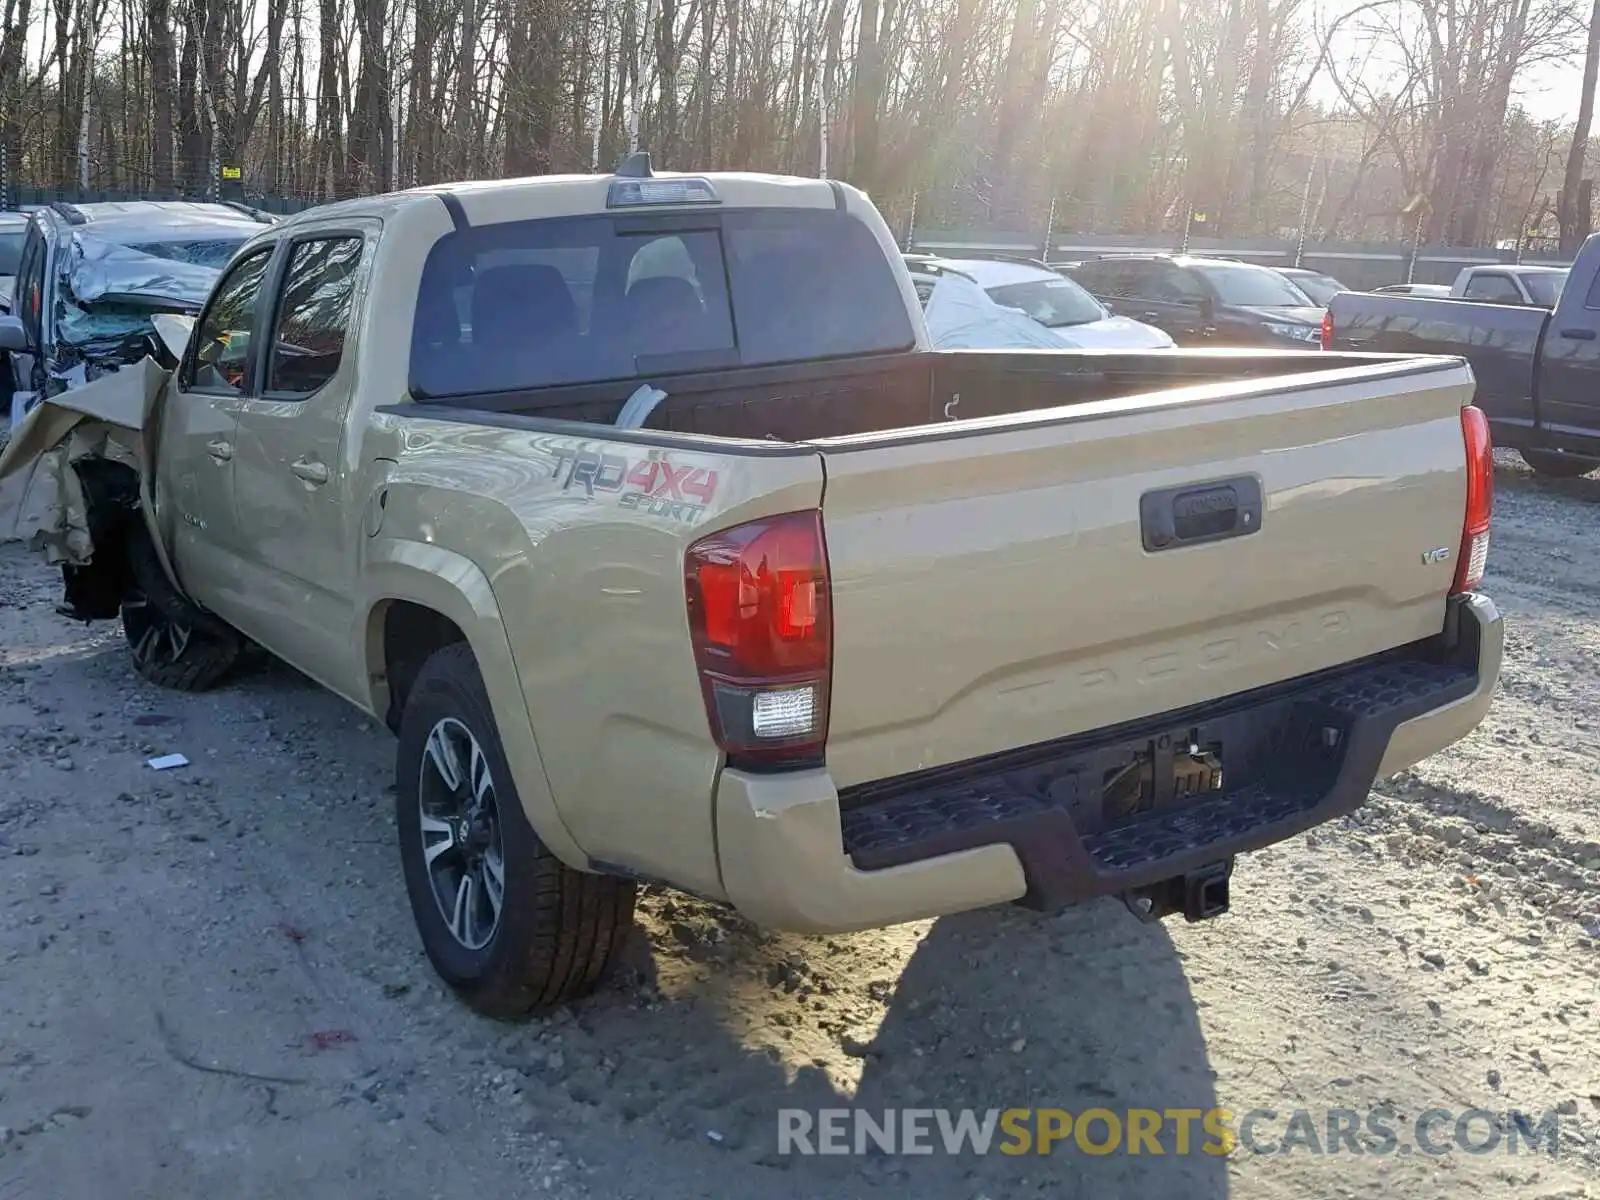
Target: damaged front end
point(74, 485)
point(108, 302)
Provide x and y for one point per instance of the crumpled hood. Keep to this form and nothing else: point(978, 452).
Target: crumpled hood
point(1114, 333)
point(102, 271)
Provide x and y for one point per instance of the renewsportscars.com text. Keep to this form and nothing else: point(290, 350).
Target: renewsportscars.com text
point(1178, 1131)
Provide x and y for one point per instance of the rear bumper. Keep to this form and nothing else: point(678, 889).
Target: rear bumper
point(1032, 825)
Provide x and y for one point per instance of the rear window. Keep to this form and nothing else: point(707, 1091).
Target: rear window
point(534, 304)
point(1545, 289)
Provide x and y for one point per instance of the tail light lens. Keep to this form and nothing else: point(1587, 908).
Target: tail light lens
point(1327, 329)
point(1480, 501)
point(760, 616)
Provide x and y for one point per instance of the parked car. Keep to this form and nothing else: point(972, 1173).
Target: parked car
point(1538, 370)
point(1437, 290)
point(1072, 317)
point(1201, 301)
point(1510, 284)
point(740, 589)
point(1319, 286)
point(89, 278)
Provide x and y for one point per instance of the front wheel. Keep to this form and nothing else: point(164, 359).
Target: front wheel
point(509, 926)
point(1559, 466)
point(174, 645)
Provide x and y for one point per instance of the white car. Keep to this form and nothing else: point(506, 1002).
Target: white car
point(978, 300)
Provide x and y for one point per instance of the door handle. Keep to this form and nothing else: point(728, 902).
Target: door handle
point(311, 471)
point(1150, 316)
point(220, 449)
point(1578, 335)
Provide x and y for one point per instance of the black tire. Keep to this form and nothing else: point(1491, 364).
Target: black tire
point(557, 930)
point(1559, 466)
point(173, 644)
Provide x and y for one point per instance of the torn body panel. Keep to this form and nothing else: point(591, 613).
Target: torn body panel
point(43, 501)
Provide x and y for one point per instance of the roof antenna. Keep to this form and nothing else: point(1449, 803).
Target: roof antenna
point(635, 166)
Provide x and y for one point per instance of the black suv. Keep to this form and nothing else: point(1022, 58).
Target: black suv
point(1204, 301)
point(90, 277)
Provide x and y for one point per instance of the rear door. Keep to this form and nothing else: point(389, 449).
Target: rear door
point(999, 587)
point(1154, 292)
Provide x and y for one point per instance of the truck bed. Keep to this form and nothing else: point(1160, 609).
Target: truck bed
point(808, 401)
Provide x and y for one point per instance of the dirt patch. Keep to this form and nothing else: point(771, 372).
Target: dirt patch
point(212, 985)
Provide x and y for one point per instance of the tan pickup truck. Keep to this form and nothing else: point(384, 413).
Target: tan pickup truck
point(639, 508)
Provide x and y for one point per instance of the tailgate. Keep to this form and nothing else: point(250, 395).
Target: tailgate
point(995, 584)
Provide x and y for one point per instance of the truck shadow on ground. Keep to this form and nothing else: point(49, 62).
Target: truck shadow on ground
point(991, 1010)
point(710, 1027)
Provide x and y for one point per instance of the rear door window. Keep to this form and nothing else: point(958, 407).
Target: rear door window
point(1174, 285)
point(313, 315)
point(1493, 289)
point(534, 304)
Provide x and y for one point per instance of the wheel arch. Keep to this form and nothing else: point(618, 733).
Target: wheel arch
point(418, 598)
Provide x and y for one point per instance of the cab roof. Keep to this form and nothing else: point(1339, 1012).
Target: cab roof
point(492, 201)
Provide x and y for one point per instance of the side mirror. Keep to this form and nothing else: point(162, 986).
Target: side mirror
point(13, 336)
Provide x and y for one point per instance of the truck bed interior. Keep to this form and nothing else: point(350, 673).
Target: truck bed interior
point(806, 401)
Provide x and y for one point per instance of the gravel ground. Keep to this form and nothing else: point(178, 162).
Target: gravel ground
point(211, 983)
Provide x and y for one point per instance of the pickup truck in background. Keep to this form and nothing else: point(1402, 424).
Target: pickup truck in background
point(1510, 283)
point(1538, 370)
point(640, 509)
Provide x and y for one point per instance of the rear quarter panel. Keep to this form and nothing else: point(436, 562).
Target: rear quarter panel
point(581, 540)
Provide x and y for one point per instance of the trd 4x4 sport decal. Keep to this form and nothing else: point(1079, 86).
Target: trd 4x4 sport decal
point(649, 485)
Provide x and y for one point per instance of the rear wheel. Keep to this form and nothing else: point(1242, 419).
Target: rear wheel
point(1559, 466)
point(173, 643)
point(509, 926)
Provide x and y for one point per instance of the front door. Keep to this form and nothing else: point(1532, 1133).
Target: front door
point(194, 486)
point(292, 481)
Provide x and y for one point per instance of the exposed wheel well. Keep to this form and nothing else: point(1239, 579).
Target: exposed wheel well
point(411, 635)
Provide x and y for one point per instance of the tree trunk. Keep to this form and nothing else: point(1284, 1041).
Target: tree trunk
point(868, 95)
point(1573, 231)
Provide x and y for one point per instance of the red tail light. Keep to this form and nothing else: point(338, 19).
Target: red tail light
point(1327, 329)
point(1480, 501)
point(760, 615)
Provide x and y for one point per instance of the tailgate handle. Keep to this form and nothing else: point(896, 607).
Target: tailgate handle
point(1200, 512)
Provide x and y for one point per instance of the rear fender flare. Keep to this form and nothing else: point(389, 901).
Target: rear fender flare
point(455, 587)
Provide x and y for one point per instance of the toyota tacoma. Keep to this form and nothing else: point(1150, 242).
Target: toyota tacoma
point(641, 511)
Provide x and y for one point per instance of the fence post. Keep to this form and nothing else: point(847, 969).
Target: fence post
point(1416, 248)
